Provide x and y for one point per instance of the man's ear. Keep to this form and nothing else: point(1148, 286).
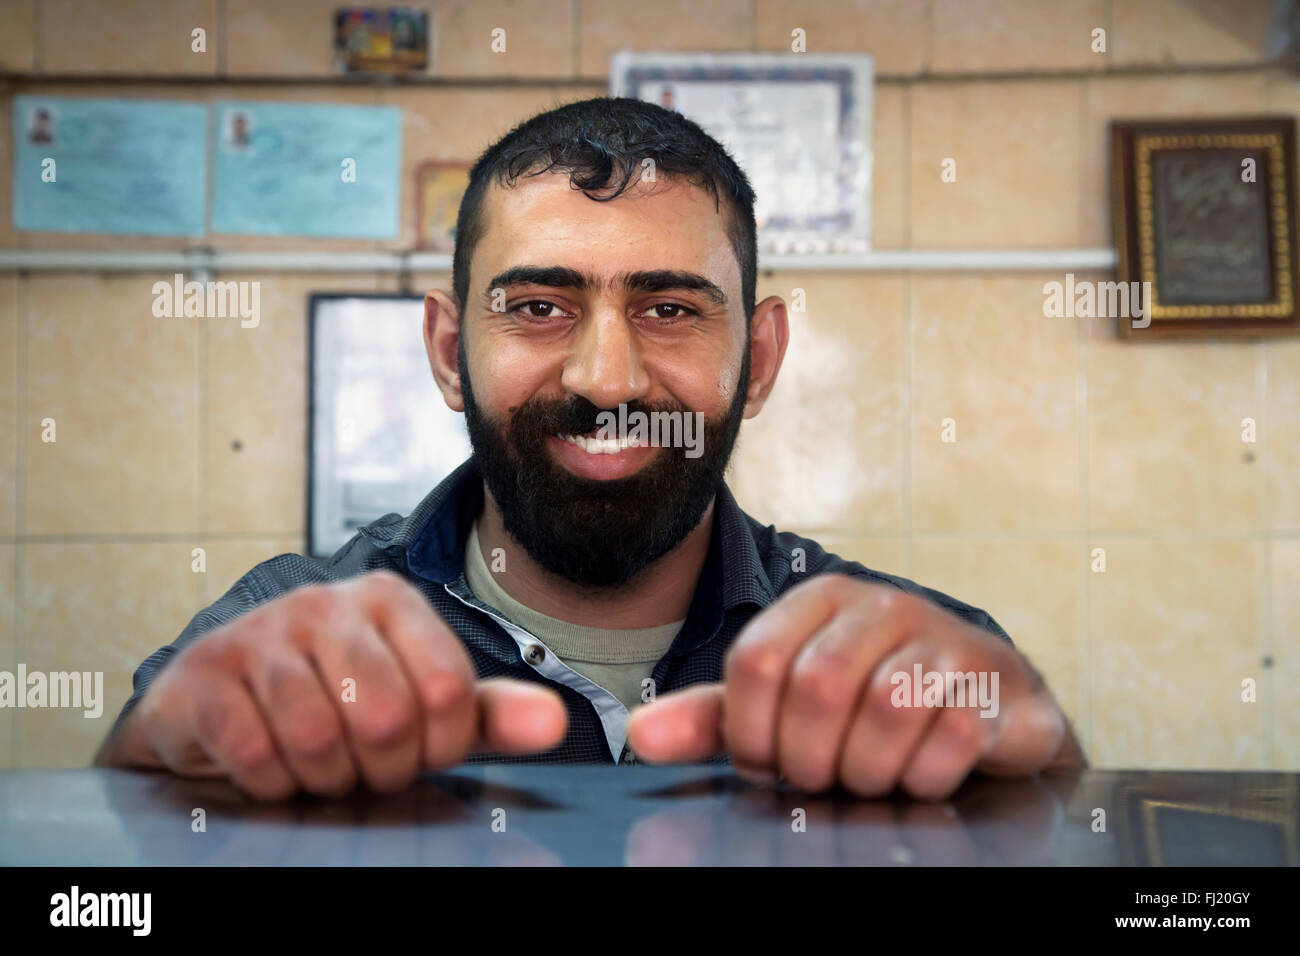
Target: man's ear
point(769, 334)
point(441, 342)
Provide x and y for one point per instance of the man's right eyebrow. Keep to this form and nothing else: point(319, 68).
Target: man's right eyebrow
point(555, 277)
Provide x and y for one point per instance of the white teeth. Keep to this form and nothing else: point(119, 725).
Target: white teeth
point(601, 446)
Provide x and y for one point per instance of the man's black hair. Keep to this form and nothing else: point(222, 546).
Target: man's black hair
point(602, 143)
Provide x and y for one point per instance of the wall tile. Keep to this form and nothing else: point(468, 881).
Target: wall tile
point(1016, 147)
point(1279, 448)
point(422, 282)
point(18, 42)
point(886, 554)
point(1182, 32)
point(1165, 436)
point(8, 661)
point(889, 200)
point(670, 25)
point(127, 36)
point(78, 617)
point(1282, 682)
point(121, 387)
point(1283, 91)
point(985, 356)
point(286, 38)
point(539, 38)
point(825, 452)
point(9, 289)
point(1000, 36)
point(1174, 628)
point(229, 560)
point(8, 236)
point(1030, 586)
point(894, 32)
point(255, 398)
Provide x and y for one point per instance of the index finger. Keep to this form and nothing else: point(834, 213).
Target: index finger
point(436, 664)
point(760, 663)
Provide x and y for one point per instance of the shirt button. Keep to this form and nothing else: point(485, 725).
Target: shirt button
point(534, 654)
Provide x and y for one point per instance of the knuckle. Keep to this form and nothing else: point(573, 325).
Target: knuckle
point(310, 736)
point(443, 690)
point(964, 735)
point(758, 664)
point(879, 706)
point(385, 723)
point(251, 750)
point(210, 719)
point(897, 603)
point(314, 602)
point(823, 685)
point(209, 653)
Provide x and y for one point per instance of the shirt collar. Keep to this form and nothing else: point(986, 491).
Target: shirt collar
point(432, 541)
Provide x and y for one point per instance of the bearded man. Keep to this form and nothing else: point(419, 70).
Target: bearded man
point(572, 595)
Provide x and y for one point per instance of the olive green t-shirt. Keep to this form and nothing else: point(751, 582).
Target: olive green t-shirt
point(618, 660)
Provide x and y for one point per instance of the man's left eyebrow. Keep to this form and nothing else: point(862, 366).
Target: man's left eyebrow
point(667, 280)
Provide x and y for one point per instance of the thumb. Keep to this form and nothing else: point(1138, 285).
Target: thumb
point(518, 717)
point(679, 727)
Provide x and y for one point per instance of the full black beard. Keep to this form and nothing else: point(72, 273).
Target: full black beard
point(597, 534)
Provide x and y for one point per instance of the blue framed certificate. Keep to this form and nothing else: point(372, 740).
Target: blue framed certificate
point(299, 169)
point(129, 167)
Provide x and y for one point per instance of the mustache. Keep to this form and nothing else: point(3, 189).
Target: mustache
point(576, 415)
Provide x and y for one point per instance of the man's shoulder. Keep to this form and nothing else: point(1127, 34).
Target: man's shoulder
point(789, 559)
point(370, 549)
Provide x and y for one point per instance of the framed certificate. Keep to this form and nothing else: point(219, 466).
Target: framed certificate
point(799, 125)
point(1204, 214)
point(380, 435)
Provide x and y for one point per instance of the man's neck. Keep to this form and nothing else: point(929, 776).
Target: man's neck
point(660, 594)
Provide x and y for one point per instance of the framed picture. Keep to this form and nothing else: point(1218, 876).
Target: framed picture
point(800, 128)
point(1204, 215)
point(373, 40)
point(379, 434)
point(1181, 821)
point(439, 187)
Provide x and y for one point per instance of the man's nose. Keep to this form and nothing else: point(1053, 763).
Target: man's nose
point(605, 366)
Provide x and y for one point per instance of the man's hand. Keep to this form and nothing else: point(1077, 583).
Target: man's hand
point(807, 695)
point(261, 700)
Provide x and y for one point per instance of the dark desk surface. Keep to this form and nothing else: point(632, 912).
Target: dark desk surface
point(689, 815)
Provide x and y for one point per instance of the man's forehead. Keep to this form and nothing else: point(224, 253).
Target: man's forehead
point(667, 223)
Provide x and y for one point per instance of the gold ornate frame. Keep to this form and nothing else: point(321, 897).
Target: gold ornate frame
point(1137, 239)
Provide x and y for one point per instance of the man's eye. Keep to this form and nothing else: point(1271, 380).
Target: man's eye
point(674, 311)
point(539, 309)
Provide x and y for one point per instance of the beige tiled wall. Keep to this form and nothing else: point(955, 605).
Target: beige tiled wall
point(176, 436)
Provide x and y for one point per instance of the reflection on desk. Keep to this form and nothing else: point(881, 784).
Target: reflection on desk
point(530, 815)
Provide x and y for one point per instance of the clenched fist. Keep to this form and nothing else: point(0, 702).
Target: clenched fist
point(820, 689)
point(261, 700)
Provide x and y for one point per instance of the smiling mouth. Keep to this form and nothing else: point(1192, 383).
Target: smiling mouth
point(601, 446)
